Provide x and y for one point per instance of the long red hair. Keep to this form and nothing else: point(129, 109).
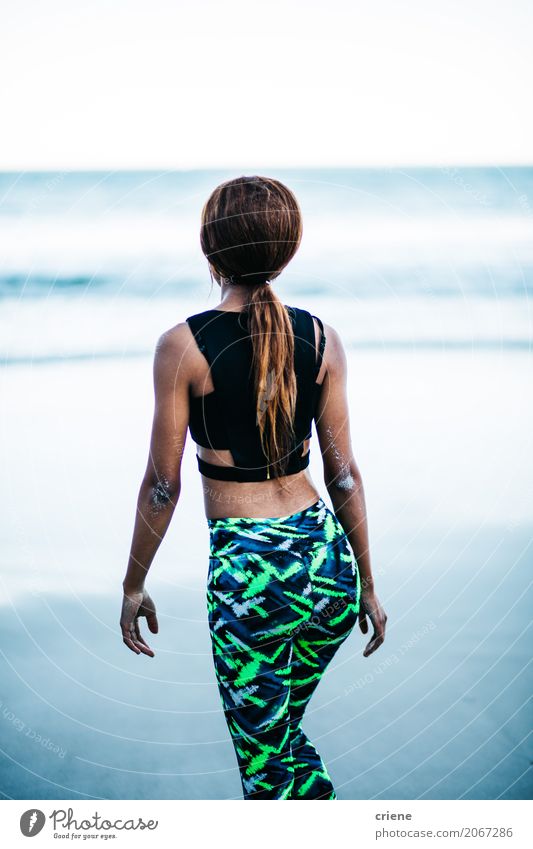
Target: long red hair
point(251, 228)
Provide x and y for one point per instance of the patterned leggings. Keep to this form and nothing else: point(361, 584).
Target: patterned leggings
point(282, 595)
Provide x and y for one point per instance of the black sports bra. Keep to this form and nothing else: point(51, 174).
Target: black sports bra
point(226, 417)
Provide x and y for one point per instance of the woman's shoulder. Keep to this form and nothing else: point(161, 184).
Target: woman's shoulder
point(174, 344)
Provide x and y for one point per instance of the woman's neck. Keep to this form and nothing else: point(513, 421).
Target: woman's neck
point(234, 296)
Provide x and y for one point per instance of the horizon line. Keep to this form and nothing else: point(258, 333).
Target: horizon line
point(263, 168)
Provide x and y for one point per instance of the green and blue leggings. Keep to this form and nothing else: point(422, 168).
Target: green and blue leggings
point(282, 595)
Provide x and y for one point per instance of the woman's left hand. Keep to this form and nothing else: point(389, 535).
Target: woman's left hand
point(135, 605)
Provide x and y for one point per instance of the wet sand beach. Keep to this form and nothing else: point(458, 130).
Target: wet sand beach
point(441, 711)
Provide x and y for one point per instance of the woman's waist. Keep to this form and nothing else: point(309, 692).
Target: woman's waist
point(259, 500)
point(295, 533)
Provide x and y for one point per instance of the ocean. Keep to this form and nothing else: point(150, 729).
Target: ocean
point(93, 264)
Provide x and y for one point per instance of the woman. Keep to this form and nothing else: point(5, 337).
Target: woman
point(287, 576)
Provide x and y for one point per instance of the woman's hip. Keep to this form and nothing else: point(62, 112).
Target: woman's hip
point(307, 552)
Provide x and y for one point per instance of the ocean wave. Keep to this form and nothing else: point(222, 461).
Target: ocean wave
point(67, 329)
point(334, 280)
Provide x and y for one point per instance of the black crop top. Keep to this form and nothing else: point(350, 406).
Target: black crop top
point(226, 417)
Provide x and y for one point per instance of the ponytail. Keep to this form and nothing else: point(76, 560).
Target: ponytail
point(272, 338)
point(251, 228)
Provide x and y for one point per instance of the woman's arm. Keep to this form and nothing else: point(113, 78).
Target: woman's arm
point(160, 488)
point(343, 480)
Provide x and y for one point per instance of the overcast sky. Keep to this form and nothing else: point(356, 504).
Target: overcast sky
point(159, 84)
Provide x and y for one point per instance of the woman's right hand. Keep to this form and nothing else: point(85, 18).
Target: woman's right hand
point(134, 605)
point(370, 606)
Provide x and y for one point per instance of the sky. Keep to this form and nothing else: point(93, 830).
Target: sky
point(117, 84)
